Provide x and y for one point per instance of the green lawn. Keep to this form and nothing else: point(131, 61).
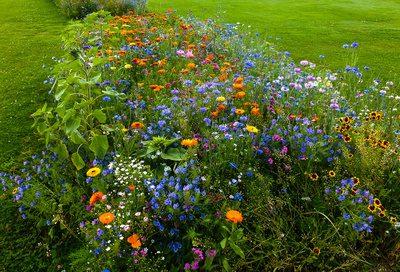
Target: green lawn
point(29, 37)
point(310, 28)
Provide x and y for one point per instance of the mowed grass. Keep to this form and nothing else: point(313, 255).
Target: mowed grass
point(310, 28)
point(30, 34)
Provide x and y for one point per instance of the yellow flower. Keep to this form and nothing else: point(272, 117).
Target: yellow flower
point(252, 129)
point(128, 66)
point(15, 191)
point(221, 99)
point(140, 84)
point(92, 172)
point(113, 68)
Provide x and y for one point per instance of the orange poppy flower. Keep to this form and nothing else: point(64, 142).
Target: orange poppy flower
point(191, 46)
point(137, 125)
point(131, 187)
point(162, 71)
point(239, 111)
point(222, 77)
point(98, 196)
point(106, 218)
point(203, 45)
point(234, 216)
point(133, 238)
point(191, 65)
point(222, 57)
point(210, 57)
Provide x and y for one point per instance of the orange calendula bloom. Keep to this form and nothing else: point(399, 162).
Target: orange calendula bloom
point(240, 94)
point(137, 125)
point(239, 111)
point(131, 187)
point(191, 65)
point(134, 241)
point(239, 80)
point(189, 142)
point(238, 87)
point(234, 216)
point(92, 172)
point(106, 218)
point(98, 196)
point(221, 107)
point(215, 113)
point(162, 71)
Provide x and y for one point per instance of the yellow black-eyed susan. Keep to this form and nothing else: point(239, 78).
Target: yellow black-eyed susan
point(381, 208)
point(354, 189)
point(313, 176)
point(316, 251)
point(372, 208)
point(393, 220)
point(395, 151)
point(356, 181)
point(341, 120)
point(355, 132)
point(381, 214)
point(332, 173)
point(366, 138)
point(346, 120)
point(372, 114)
point(350, 156)
point(378, 117)
point(347, 139)
point(377, 202)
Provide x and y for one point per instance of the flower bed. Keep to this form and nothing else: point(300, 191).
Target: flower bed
point(181, 144)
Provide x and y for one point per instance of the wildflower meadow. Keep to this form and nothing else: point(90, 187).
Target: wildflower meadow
point(179, 143)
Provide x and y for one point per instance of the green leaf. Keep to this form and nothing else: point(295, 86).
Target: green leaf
point(77, 161)
point(42, 126)
point(237, 249)
point(37, 113)
point(68, 115)
point(41, 223)
point(96, 78)
point(174, 154)
point(226, 265)
point(98, 61)
point(237, 235)
point(77, 138)
point(62, 151)
point(111, 92)
point(223, 243)
point(99, 115)
point(72, 125)
point(83, 104)
point(99, 145)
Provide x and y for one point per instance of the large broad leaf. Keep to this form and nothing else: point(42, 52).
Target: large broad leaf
point(99, 115)
point(174, 154)
point(62, 151)
point(72, 125)
point(77, 161)
point(112, 92)
point(77, 138)
point(68, 115)
point(98, 61)
point(99, 145)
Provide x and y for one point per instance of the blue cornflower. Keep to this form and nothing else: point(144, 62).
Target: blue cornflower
point(346, 216)
point(345, 46)
point(106, 98)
